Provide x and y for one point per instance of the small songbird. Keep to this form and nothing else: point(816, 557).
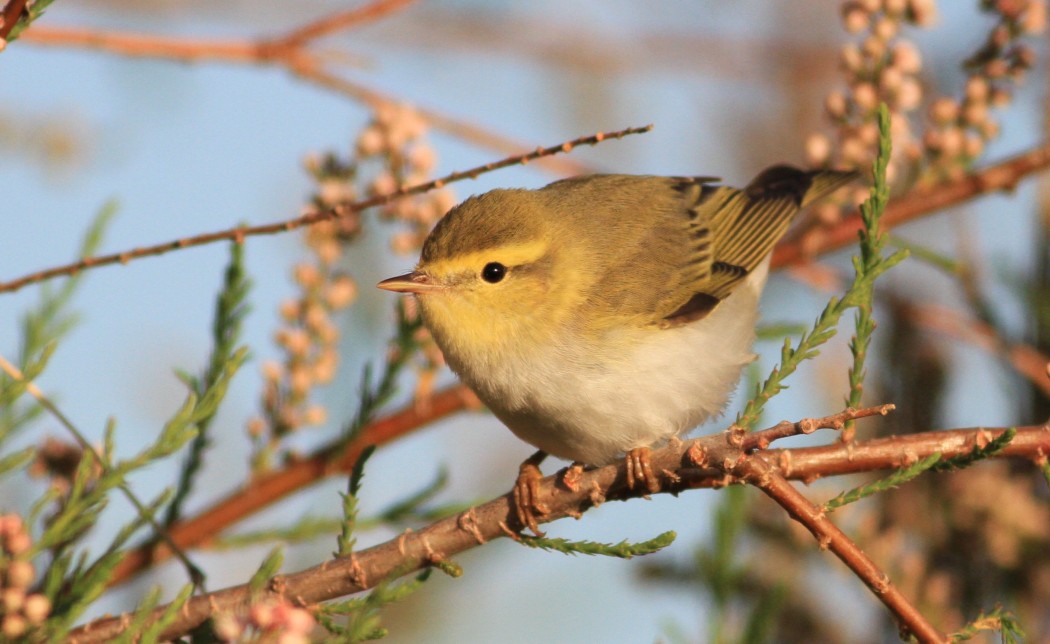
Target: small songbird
point(601, 315)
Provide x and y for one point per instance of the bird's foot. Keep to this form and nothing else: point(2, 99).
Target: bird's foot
point(526, 489)
point(570, 476)
point(640, 471)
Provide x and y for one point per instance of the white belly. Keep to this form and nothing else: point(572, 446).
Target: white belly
point(572, 404)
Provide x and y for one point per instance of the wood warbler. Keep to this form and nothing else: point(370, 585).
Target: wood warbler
point(603, 314)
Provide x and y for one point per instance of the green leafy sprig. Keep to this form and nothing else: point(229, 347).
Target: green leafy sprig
point(867, 267)
point(622, 550)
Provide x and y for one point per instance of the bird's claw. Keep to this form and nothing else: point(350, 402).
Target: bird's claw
point(526, 491)
point(640, 470)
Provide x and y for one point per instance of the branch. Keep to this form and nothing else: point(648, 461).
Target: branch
point(764, 476)
point(239, 233)
point(283, 49)
point(445, 538)
point(11, 13)
point(1003, 176)
point(339, 21)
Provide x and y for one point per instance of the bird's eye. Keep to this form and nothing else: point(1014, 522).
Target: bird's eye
point(493, 272)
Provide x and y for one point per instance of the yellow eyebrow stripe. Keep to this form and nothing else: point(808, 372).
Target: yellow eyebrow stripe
point(510, 255)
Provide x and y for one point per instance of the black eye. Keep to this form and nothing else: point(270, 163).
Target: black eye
point(493, 272)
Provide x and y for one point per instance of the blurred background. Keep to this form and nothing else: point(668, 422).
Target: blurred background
point(185, 148)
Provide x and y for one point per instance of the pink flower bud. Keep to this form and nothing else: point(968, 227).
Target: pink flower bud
point(944, 110)
point(865, 96)
point(818, 149)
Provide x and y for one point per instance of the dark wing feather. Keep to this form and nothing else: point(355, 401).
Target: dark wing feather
point(731, 231)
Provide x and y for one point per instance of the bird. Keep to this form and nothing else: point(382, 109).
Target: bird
point(602, 315)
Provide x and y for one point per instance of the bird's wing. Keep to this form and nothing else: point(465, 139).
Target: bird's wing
point(730, 231)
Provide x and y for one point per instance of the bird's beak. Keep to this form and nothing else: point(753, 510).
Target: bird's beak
point(414, 282)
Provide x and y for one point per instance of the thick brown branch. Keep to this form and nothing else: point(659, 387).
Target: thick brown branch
point(810, 463)
point(447, 537)
point(240, 233)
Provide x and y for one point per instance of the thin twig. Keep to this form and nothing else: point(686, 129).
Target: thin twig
point(762, 439)
point(241, 232)
point(448, 537)
point(340, 21)
point(762, 475)
point(1002, 176)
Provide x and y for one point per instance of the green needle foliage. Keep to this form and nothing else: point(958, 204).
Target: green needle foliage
point(73, 582)
point(999, 619)
point(622, 550)
point(151, 633)
point(993, 447)
point(346, 541)
point(142, 628)
point(449, 567)
point(267, 569)
point(360, 615)
point(16, 460)
point(230, 310)
point(898, 478)
point(777, 330)
point(867, 267)
point(945, 263)
point(403, 346)
point(43, 326)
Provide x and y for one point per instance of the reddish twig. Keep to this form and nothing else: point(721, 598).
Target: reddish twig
point(762, 475)
point(717, 455)
point(894, 452)
point(340, 21)
point(762, 439)
point(12, 12)
point(240, 233)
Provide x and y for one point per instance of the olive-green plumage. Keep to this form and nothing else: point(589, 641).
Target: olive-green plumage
point(690, 242)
